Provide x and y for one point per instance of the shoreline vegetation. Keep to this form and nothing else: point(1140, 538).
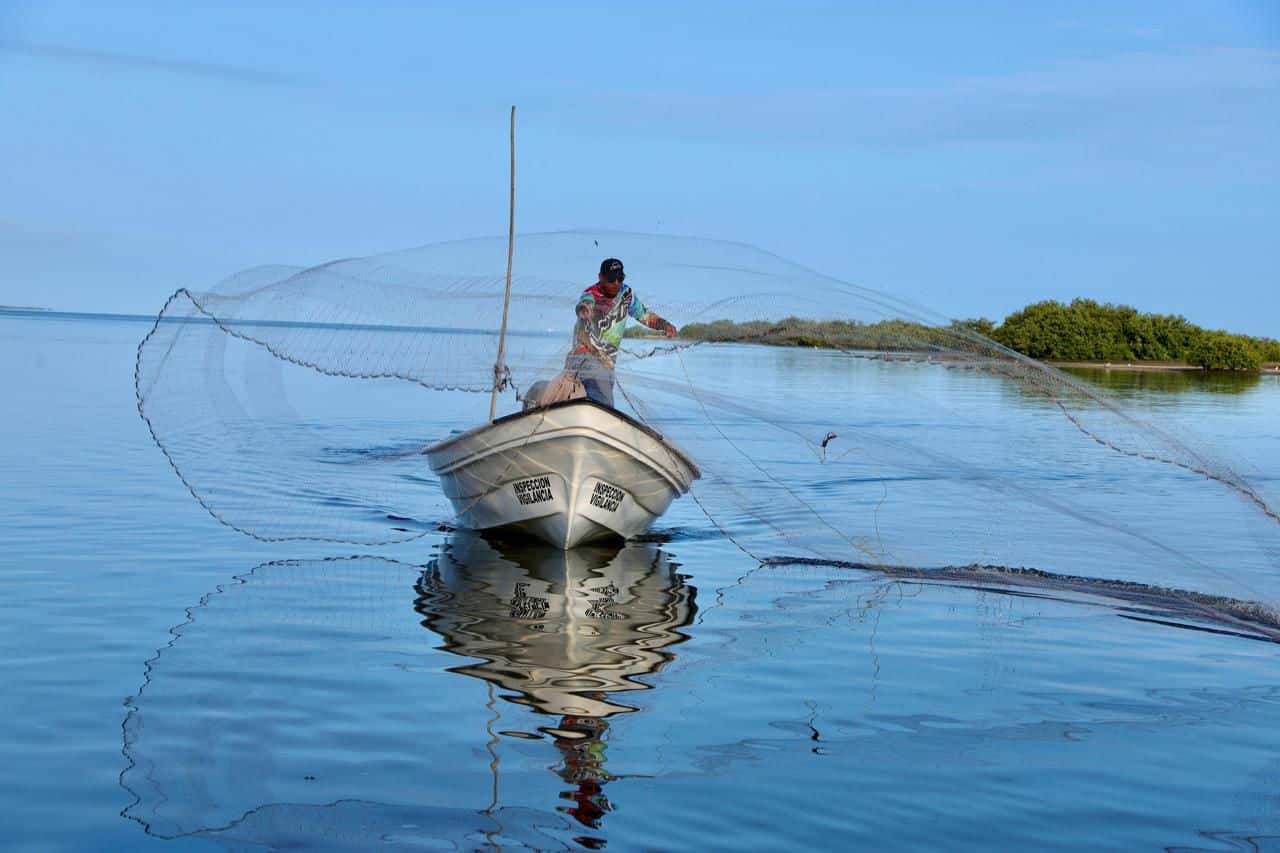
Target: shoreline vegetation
point(1083, 333)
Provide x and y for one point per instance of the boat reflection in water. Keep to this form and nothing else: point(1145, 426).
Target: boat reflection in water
point(302, 705)
point(569, 633)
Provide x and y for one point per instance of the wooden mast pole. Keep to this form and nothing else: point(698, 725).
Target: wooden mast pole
point(498, 366)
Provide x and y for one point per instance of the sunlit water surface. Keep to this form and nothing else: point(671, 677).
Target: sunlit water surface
point(168, 682)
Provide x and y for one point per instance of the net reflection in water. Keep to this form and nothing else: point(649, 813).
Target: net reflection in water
point(291, 706)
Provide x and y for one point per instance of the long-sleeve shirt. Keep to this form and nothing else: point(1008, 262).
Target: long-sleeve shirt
point(600, 332)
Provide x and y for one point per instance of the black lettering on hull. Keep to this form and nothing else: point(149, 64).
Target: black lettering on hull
point(607, 497)
point(535, 490)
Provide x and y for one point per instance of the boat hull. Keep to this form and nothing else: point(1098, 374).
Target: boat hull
point(567, 474)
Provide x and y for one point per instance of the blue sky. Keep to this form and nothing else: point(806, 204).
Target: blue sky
point(971, 157)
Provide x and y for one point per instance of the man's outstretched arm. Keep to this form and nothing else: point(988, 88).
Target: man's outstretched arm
point(652, 320)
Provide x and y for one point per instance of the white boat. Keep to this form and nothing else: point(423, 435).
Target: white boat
point(567, 473)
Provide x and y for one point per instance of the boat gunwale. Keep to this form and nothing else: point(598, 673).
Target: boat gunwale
point(564, 404)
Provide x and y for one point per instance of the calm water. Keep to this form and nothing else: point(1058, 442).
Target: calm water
point(170, 683)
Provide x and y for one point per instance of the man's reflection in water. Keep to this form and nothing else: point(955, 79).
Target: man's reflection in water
point(580, 741)
point(565, 632)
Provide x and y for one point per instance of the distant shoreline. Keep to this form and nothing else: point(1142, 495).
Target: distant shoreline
point(49, 313)
point(1155, 366)
point(203, 320)
point(1166, 366)
point(1152, 366)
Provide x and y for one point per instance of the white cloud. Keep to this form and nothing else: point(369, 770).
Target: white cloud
point(1134, 95)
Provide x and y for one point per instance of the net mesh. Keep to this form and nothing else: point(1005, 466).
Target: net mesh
point(296, 403)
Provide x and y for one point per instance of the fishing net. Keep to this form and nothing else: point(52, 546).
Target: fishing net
point(830, 421)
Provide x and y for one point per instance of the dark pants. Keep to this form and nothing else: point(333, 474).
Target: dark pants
point(596, 377)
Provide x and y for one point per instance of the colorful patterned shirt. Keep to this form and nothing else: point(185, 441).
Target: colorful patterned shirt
point(601, 332)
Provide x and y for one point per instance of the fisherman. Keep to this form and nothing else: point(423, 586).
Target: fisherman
point(602, 315)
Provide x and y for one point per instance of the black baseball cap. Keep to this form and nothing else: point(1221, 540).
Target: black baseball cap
point(611, 267)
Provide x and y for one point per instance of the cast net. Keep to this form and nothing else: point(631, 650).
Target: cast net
point(831, 422)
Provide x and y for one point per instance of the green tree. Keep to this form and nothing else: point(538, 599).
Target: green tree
point(981, 325)
point(1084, 330)
point(1221, 351)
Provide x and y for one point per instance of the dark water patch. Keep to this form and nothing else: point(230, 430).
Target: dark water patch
point(664, 535)
point(380, 453)
point(430, 482)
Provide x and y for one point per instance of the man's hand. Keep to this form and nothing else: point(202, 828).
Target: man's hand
point(670, 330)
